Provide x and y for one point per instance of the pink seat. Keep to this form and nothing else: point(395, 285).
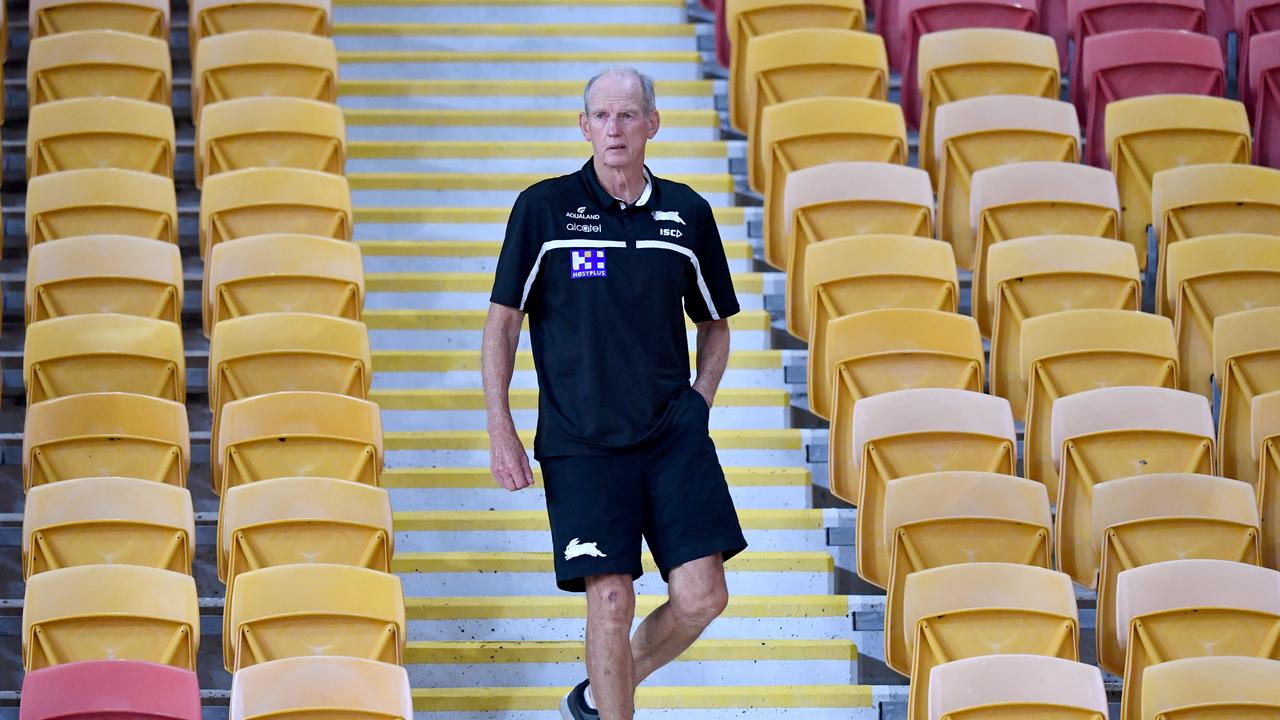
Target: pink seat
point(889, 26)
point(1262, 97)
point(1252, 17)
point(722, 35)
point(1053, 22)
point(1130, 63)
point(918, 17)
point(110, 690)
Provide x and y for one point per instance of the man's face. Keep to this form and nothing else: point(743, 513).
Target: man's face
point(616, 124)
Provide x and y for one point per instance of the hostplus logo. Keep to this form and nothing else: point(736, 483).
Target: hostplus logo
point(581, 214)
point(586, 264)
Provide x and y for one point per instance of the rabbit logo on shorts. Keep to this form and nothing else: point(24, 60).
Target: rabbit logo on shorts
point(578, 549)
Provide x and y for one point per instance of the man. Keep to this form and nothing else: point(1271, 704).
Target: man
point(606, 262)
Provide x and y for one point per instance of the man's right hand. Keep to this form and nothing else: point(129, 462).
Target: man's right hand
point(508, 461)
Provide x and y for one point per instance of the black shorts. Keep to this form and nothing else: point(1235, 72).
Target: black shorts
point(669, 489)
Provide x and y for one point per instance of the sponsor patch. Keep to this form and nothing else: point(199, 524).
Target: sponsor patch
point(586, 264)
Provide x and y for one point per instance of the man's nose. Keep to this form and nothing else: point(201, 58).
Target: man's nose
point(611, 126)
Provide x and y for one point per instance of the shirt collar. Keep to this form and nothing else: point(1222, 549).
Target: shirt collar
point(605, 199)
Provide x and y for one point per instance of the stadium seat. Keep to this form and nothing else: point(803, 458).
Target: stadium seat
point(259, 201)
point(110, 612)
point(115, 434)
point(1211, 276)
point(982, 132)
point(1077, 350)
point(88, 202)
point(1247, 688)
point(1145, 135)
point(104, 353)
point(969, 610)
point(1265, 446)
point(1210, 199)
point(216, 17)
point(1263, 97)
point(303, 520)
point(808, 63)
point(843, 276)
point(271, 132)
point(110, 689)
point(321, 685)
point(1166, 611)
point(1252, 17)
point(104, 274)
point(253, 63)
point(1024, 686)
point(140, 17)
point(98, 63)
point(749, 19)
point(100, 133)
point(1246, 363)
point(107, 521)
point(1133, 63)
point(313, 609)
point(959, 64)
point(911, 432)
point(878, 351)
point(1034, 276)
point(803, 133)
point(1116, 432)
point(948, 518)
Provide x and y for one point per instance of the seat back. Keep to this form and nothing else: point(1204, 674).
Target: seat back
point(1252, 18)
point(1246, 362)
point(981, 132)
point(253, 63)
point(98, 63)
point(103, 353)
point(258, 201)
point(100, 132)
point(104, 274)
point(299, 687)
point(140, 17)
point(215, 17)
point(108, 688)
point(87, 202)
point(1069, 352)
point(1265, 442)
point(1028, 686)
point(107, 520)
point(110, 612)
point(1263, 97)
point(1238, 687)
point(271, 132)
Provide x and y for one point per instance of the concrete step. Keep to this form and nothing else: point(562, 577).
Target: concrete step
point(544, 158)
point(509, 11)
point(511, 37)
point(510, 94)
point(476, 256)
point(509, 126)
point(489, 224)
point(491, 65)
point(486, 190)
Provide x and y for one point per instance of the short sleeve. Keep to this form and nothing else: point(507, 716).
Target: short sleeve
point(518, 261)
point(710, 295)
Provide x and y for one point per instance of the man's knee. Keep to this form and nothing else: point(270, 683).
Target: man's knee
point(611, 599)
point(698, 603)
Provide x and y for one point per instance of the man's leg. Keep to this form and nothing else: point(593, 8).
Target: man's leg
point(697, 595)
point(611, 607)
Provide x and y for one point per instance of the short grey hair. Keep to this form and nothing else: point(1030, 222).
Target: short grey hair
point(646, 87)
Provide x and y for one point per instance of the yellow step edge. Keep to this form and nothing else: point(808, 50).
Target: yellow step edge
point(782, 439)
point(511, 118)
point(472, 653)
point(438, 56)
point(412, 282)
point(649, 697)
point(541, 562)
point(474, 320)
point(571, 3)
point(469, 360)
point(510, 30)
point(525, 399)
point(575, 606)
point(537, 521)
point(462, 215)
point(523, 151)
point(481, 478)
point(733, 249)
point(348, 88)
point(720, 182)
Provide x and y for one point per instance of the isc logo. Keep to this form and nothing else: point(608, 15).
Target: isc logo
point(670, 232)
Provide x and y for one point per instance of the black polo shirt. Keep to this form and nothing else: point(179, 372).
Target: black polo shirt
point(606, 287)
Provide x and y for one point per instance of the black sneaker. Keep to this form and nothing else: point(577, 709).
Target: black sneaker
point(574, 705)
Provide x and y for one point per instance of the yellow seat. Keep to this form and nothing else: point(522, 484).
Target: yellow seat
point(749, 19)
point(104, 353)
point(1212, 276)
point(215, 17)
point(807, 63)
point(1182, 609)
point(1265, 444)
point(1117, 432)
point(866, 272)
point(1246, 362)
point(321, 686)
point(260, 201)
point(1244, 688)
point(1069, 352)
point(113, 434)
point(110, 612)
point(98, 63)
point(1211, 199)
point(1032, 687)
point(277, 273)
point(101, 201)
point(878, 351)
point(1145, 135)
point(947, 518)
point(140, 17)
point(107, 521)
point(911, 432)
point(803, 133)
point(100, 133)
point(1148, 519)
point(313, 609)
point(981, 132)
point(969, 610)
point(1034, 276)
point(104, 274)
point(303, 520)
point(254, 63)
point(957, 64)
point(271, 132)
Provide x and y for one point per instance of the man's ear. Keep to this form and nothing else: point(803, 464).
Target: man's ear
point(584, 126)
point(655, 122)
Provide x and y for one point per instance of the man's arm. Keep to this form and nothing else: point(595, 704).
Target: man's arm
point(713, 357)
point(507, 459)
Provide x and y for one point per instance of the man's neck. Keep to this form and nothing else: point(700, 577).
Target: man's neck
point(625, 184)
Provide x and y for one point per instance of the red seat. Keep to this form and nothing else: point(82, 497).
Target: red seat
point(1053, 22)
point(1094, 17)
point(722, 35)
point(1129, 63)
point(917, 17)
point(110, 690)
point(1263, 98)
point(1252, 17)
point(1219, 21)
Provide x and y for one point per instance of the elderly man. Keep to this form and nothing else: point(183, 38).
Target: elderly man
point(606, 262)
